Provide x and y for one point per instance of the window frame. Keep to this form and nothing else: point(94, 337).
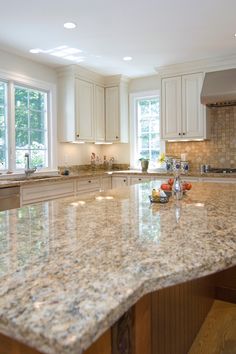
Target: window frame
point(134, 97)
point(13, 80)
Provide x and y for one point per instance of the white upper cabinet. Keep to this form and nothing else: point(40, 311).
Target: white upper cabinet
point(171, 107)
point(183, 116)
point(84, 110)
point(116, 98)
point(92, 107)
point(80, 105)
point(99, 113)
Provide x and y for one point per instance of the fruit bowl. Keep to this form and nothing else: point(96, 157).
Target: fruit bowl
point(161, 200)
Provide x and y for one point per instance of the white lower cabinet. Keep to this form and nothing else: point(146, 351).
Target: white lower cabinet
point(87, 185)
point(218, 180)
point(46, 191)
point(119, 181)
point(136, 180)
point(106, 183)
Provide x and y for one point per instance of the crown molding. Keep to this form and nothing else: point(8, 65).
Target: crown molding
point(204, 65)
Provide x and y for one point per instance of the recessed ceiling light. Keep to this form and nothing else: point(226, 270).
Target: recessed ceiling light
point(234, 34)
point(70, 25)
point(35, 50)
point(127, 58)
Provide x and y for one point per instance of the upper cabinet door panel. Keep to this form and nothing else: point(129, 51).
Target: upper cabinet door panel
point(84, 110)
point(99, 113)
point(112, 114)
point(192, 109)
point(171, 108)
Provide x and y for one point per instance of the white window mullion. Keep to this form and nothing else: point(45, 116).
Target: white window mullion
point(11, 126)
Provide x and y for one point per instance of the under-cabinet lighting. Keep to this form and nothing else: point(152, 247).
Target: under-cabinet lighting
point(185, 140)
point(102, 143)
point(77, 142)
point(199, 204)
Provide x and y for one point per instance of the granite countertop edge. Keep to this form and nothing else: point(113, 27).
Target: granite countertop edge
point(10, 182)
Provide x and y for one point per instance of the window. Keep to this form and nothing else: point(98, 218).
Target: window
point(3, 126)
point(30, 127)
point(25, 126)
point(145, 129)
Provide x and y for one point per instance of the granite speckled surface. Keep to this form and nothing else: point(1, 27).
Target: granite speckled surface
point(70, 268)
point(11, 182)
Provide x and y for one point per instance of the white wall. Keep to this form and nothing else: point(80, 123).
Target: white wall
point(77, 154)
point(147, 83)
point(121, 152)
point(24, 67)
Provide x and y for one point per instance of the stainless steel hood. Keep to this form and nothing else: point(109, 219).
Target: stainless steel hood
point(219, 88)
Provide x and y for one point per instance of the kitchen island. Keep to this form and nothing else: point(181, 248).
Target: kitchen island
point(70, 268)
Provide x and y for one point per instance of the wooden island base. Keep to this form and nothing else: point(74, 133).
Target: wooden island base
point(163, 322)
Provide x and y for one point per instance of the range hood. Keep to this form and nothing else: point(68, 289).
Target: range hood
point(219, 88)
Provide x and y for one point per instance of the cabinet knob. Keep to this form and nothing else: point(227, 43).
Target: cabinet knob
point(89, 181)
point(117, 137)
point(184, 133)
point(77, 135)
point(124, 180)
point(179, 133)
point(140, 179)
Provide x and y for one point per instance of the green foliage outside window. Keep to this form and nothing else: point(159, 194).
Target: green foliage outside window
point(30, 126)
point(148, 140)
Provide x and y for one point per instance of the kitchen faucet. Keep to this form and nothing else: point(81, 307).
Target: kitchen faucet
point(28, 170)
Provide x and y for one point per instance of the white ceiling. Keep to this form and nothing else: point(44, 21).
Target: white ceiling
point(154, 32)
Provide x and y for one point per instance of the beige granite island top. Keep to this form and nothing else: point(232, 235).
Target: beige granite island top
point(70, 268)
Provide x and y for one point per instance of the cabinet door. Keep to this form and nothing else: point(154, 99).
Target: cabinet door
point(84, 110)
point(112, 114)
point(106, 183)
point(171, 108)
point(99, 113)
point(192, 110)
point(87, 185)
point(136, 180)
point(46, 191)
point(119, 181)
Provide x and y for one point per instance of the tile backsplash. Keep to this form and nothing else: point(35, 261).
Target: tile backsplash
point(219, 150)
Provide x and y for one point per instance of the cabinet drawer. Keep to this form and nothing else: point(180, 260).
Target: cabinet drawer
point(88, 185)
point(46, 191)
point(135, 180)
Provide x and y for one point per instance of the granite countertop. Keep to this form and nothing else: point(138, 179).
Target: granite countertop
point(69, 268)
point(9, 181)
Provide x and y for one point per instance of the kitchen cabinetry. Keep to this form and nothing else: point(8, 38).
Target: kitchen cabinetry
point(84, 110)
point(9, 198)
point(106, 183)
point(46, 191)
point(183, 116)
point(99, 113)
point(87, 185)
point(119, 181)
point(116, 97)
point(92, 108)
point(136, 180)
point(80, 106)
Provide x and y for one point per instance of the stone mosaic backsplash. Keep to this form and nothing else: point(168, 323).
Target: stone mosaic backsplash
point(219, 150)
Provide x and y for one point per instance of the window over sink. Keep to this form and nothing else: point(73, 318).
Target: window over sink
point(25, 125)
